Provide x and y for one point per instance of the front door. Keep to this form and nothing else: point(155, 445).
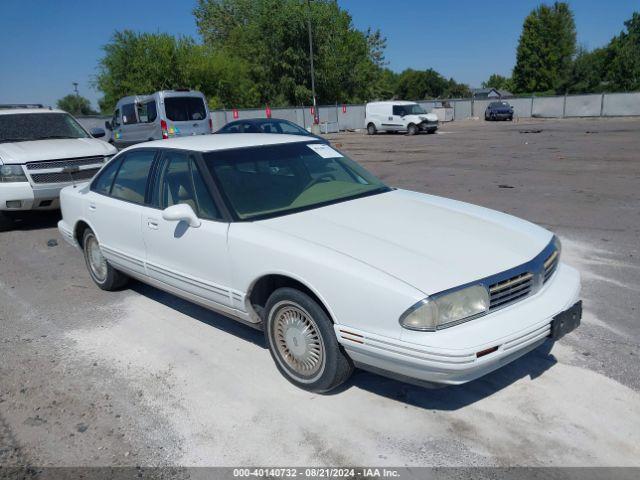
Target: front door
point(194, 260)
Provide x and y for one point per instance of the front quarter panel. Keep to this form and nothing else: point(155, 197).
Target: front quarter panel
point(354, 293)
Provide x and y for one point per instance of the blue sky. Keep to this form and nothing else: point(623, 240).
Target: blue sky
point(47, 45)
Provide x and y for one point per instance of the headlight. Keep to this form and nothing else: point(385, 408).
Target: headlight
point(557, 244)
point(12, 173)
point(107, 158)
point(440, 311)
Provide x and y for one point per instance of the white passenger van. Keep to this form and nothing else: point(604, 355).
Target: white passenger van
point(161, 115)
point(399, 116)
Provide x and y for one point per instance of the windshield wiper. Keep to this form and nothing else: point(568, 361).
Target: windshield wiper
point(50, 137)
point(10, 140)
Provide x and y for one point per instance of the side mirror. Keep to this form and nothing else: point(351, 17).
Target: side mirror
point(97, 132)
point(181, 213)
point(107, 125)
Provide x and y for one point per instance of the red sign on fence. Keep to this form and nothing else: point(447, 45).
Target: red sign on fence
point(235, 114)
point(268, 111)
point(344, 108)
point(313, 111)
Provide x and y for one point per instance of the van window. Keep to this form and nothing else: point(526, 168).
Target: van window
point(129, 114)
point(147, 112)
point(131, 182)
point(184, 109)
point(115, 122)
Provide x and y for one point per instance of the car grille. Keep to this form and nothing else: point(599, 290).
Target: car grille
point(550, 265)
point(74, 162)
point(510, 290)
point(63, 177)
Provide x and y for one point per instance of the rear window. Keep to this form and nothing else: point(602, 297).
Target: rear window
point(184, 109)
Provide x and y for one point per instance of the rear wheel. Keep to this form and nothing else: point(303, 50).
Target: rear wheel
point(412, 129)
point(102, 273)
point(371, 129)
point(302, 342)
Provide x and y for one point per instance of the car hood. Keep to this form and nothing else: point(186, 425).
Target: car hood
point(431, 243)
point(23, 152)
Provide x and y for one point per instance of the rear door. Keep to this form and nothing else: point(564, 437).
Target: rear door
point(148, 126)
point(129, 133)
point(115, 206)
point(187, 114)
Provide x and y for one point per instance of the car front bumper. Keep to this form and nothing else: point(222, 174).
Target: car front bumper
point(451, 356)
point(500, 115)
point(428, 127)
point(30, 197)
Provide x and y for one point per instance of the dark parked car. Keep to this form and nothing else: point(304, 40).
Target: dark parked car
point(499, 111)
point(267, 125)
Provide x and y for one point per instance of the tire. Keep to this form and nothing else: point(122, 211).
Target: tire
point(292, 319)
point(371, 129)
point(6, 222)
point(412, 129)
point(102, 273)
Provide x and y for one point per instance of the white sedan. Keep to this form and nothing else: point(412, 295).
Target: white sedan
point(288, 235)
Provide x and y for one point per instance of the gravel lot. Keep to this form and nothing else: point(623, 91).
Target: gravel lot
point(140, 377)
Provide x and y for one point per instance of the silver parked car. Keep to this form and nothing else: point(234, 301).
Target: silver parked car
point(161, 115)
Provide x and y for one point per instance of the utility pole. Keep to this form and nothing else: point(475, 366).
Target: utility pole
point(315, 127)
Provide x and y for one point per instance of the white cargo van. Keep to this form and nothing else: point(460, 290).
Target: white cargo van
point(399, 116)
point(164, 114)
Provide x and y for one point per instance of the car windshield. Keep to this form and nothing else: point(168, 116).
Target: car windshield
point(266, 181)
point(24, 127)
point(499, 104)
point(182, 109)
point(413, 109)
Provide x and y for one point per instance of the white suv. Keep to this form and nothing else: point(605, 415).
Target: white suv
point(41, 151)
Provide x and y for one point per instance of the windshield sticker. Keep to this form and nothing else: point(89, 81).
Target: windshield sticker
point(325, 151)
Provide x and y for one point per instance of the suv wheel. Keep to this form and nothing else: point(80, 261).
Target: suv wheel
point(302, 342)
point(371, 129)
point(102, 273)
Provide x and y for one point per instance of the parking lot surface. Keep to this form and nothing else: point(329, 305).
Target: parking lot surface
point(140, 377)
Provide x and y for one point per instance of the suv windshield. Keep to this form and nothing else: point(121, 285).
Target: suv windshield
point(273, 180)
point(23, 127)
point(183, 109)
point(499, 104)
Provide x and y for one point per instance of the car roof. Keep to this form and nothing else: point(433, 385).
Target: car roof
point(393, 102)
point(257, 120)
point(13, 111)
point(223, 141)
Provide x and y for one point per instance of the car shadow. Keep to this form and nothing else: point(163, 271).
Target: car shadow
point(30, 221)
point(449, 398)
point(533, 364)
point(200, 314)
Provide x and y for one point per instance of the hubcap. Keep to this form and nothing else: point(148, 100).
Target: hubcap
point(97, 262)
point(298, 341)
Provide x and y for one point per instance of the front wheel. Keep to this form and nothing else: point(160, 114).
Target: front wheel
point(302, 342)
point(102, 273)
point(412, 129)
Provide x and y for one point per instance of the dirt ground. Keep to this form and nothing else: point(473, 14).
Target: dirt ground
point(140, 377)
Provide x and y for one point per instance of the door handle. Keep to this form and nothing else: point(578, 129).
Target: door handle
point(152, 224)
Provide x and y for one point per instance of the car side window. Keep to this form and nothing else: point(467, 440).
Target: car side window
point(147, 112)
point(182, 182)
point(129, 114)
point(104, 180)
point(130, 183)
point(115, 122)
point(286, 127)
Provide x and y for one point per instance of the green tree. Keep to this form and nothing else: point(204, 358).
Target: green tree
point(142, 63)
point(423, 84)
point(498, 82)
point(545, 50)
point(622, 62)
point(76, 105)
point(587, 71)
point(271, 36)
